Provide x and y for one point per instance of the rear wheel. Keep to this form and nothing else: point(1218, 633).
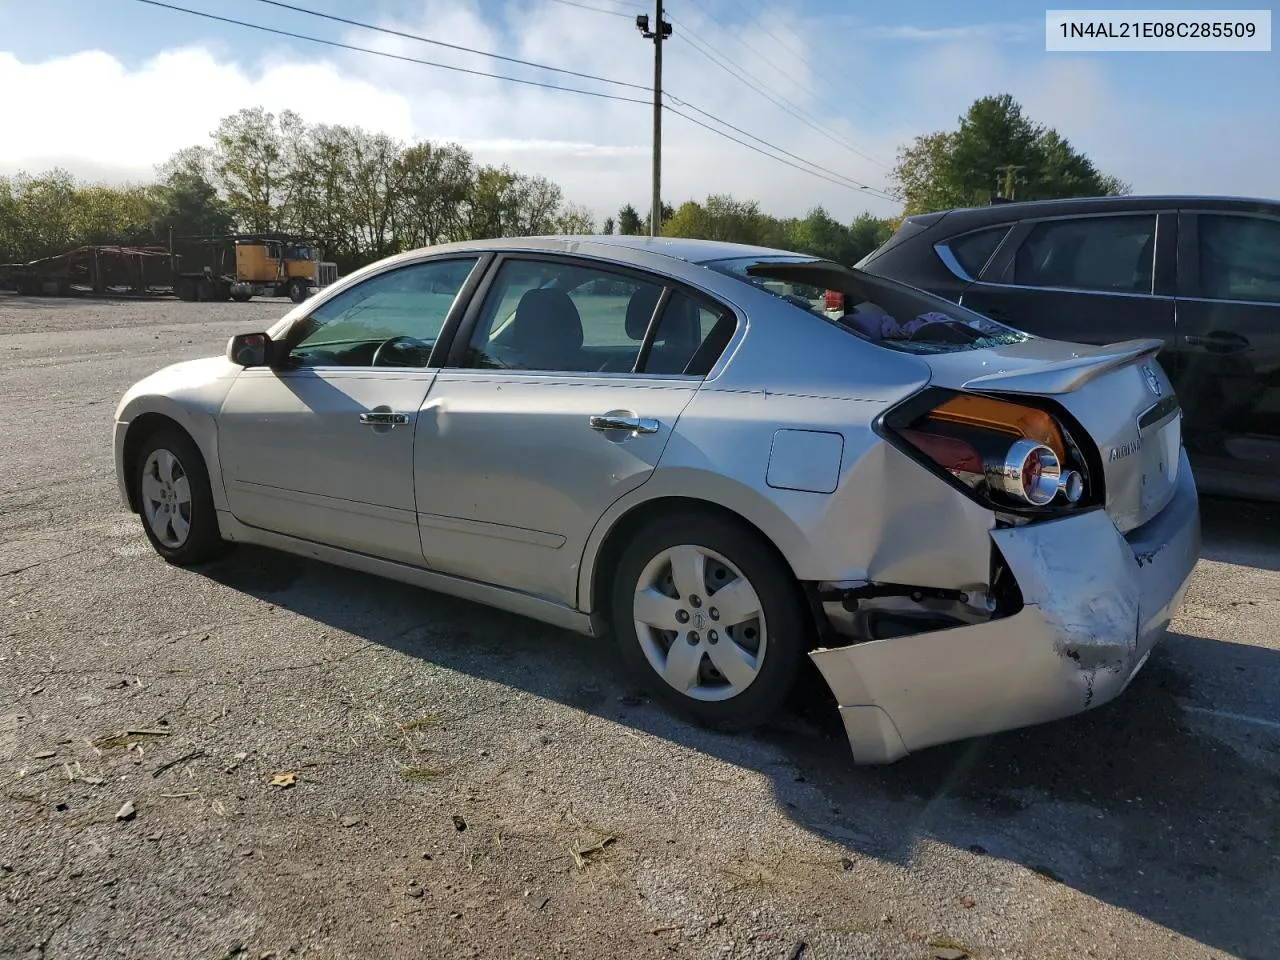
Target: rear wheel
point(174, 499)
point(710, 619)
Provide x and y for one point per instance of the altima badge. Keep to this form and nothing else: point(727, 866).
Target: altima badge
point(1152, 380)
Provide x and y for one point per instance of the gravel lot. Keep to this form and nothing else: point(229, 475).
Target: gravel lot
point(469, 784)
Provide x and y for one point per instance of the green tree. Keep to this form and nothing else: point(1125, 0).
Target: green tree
point(629, 222)
point(607, 229)
point(575, 221)
point(248, 149)
point(434, 183)
point(186, 204)
point(996, 150)
point(865, 234)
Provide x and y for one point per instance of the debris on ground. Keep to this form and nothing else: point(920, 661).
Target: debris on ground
point(126, 812)
point(284, 780)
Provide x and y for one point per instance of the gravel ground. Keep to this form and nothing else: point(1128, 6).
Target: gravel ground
point(271, 757)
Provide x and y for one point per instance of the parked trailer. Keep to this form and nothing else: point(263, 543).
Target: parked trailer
point(94, 268)
point(241, 266)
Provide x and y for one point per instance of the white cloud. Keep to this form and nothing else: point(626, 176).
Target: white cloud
point(1009, 32)
point(874, 98)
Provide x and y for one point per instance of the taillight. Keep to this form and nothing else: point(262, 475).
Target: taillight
point(1005, 452)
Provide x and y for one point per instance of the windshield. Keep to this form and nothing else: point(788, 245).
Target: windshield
point(883, 311)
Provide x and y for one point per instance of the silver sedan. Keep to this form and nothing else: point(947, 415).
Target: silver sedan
point(677, 443)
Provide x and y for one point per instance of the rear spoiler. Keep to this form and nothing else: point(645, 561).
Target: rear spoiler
point(1064, 376)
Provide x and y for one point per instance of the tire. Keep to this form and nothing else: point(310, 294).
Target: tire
point(755, 689)
point(297, 290)
point(205, 290)
point(186, 290)
point(166, 506)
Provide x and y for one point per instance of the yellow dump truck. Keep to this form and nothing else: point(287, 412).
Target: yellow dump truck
point(241, 266)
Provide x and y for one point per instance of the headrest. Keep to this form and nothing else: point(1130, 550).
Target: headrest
point(640, 310)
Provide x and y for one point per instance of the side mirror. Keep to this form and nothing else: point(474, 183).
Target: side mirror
point(248, 349)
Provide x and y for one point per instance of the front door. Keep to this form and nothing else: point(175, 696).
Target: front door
point(1228, 374)
point(556, 406)
point(321, 446)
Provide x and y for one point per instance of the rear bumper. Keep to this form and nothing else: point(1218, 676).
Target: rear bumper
point(1095, 603)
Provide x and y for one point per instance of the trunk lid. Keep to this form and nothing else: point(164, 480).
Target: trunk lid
point(1120, 395)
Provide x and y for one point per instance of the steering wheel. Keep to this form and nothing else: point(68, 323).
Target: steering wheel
point(392, 343)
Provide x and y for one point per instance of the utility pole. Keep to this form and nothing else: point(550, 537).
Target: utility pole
point(1009, 170)
point(661, 31)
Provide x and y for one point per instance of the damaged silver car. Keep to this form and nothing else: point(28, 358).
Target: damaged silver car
point(967, 528)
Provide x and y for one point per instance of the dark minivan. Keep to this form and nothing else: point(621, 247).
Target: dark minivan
point(1200, 273)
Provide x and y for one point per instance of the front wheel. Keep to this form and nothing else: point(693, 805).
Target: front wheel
point(175, 500)
point(297, 290)
point(710, 619)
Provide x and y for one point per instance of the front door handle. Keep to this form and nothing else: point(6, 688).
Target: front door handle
point(632, 424)
point(383, 419)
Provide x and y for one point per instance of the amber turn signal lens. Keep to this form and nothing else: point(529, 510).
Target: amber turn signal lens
point(1024, 423)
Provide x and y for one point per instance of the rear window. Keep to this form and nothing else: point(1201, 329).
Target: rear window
point(883, 311)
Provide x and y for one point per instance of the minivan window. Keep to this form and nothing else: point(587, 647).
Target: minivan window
point(1239, 258)
point(1105, 254)
point(882, 311)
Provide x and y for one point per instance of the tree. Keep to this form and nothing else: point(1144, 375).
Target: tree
point(434, 182)
point(186, 204)
point(607, 229)
point(629, 222)
point(866, 233)
point(575, 221)
point(997, 150)
point(247, 153)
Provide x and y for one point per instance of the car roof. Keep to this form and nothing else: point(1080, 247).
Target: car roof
point(1002, 212)
point(614, 245)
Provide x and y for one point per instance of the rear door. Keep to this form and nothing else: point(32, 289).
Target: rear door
point(559, 400)
point(1228, 370)
point(1089, 279)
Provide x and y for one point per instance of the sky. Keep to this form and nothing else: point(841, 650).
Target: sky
point(108, 89)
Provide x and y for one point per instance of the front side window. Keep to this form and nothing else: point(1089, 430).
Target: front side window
point(1105, 254)
point(1239, 258)
point(390, 319)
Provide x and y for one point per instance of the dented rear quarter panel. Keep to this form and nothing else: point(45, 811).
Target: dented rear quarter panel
point(1095, 602)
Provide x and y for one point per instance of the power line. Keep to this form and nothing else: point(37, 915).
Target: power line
point(701, 48)
point(583, 6)
point(451, 46)
point(772, 146)
point(820, 176)
point(844, 182)
point(780, 70)
point(396, 56)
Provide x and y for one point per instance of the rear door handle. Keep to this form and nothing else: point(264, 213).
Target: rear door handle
point(1217, 342)
point(613, 421)
point(380, 418)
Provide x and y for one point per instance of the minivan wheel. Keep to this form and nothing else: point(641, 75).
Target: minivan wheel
point(710, 619)
point(175, 500)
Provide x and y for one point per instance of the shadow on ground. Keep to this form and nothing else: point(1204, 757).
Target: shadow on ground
point(1130, 803)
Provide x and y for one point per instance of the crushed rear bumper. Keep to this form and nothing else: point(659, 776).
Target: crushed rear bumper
point(1095, 603)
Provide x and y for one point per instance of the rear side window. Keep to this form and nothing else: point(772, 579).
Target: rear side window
point(690, 337)
point(1239, 258)
point(1106, 254)
point(973, 250)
